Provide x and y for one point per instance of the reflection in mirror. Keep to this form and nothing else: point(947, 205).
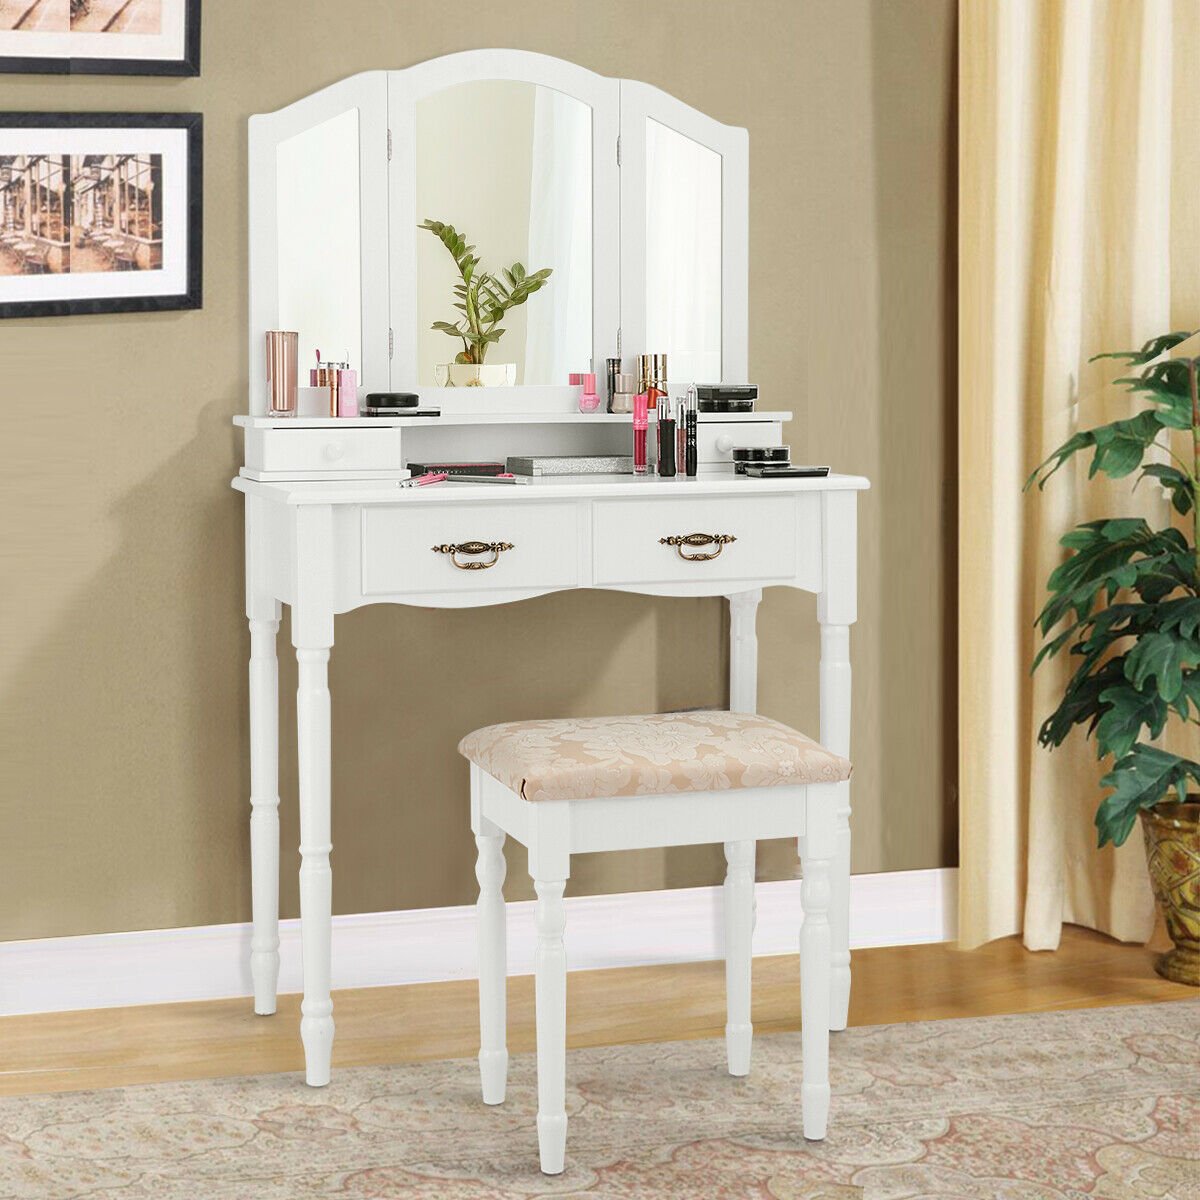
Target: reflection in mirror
point(683, 254)
point(316, 175)
point(509, 165)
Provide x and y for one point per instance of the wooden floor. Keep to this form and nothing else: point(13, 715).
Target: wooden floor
point(110, 1047)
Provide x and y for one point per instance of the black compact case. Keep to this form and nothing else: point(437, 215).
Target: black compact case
point(396, 404)
point(744, 456)
point(726, 397)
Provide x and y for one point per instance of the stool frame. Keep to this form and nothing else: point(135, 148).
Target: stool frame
point(553, 830)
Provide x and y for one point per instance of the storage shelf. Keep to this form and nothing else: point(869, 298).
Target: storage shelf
point(501, 418)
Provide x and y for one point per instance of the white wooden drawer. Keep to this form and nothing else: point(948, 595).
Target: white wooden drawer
point(628, 550)
point(715, 440)
point(399, 555)
point(302, 452)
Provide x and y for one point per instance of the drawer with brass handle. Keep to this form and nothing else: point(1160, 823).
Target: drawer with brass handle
point(705, 540)
point(480, 547)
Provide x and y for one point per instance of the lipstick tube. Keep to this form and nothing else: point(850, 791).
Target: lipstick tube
point(666, 443)
point(641, 422)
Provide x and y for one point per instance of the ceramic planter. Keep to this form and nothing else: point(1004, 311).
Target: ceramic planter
point(1173, 854)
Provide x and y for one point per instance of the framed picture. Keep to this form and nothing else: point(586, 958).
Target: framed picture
point(99, 212)
point(100, 37)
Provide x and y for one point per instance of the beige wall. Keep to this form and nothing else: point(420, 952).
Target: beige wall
point(122, 717)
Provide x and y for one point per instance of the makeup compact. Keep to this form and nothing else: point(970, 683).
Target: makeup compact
point(785, 471)
point(396, 404)
point(726, 397)
point(745, 456)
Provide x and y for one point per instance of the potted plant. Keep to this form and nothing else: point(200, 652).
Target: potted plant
point(1125, 606)
point(483, 299)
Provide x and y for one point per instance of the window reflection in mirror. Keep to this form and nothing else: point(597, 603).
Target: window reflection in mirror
point(683, 254)
point(318, 238)
point(509, 165)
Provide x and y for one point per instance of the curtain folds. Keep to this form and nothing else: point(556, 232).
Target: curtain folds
point(1079, 232)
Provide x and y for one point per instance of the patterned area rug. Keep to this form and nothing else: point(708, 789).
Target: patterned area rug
point(1086, 1103)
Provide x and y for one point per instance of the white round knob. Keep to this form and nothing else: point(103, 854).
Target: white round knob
point(724, 443)
point(334, 451)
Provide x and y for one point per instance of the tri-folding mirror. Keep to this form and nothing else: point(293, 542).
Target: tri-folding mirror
point(497, 218)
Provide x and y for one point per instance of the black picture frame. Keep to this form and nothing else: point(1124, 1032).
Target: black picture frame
point(192, 296)
point(189, 64)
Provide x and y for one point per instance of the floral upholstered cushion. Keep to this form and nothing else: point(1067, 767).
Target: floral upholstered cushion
point(584, 757)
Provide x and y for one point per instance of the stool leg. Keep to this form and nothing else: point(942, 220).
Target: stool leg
point(550, 982)
point(739, 930)
point(839, 912)
point(817, 850)
point(493, 969)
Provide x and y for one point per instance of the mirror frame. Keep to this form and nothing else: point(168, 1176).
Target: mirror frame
point(386, 103)
point(368, 94)
point(405, 90)
point(640, 102)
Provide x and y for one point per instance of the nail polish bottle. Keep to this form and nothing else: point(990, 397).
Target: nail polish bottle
point(589, 402)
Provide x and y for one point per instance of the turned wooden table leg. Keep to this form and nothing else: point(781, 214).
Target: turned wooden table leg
point(264, 809)
point(316, 877)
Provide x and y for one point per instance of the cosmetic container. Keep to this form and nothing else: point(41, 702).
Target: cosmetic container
point(645, 372)
point(666, 441)
point(283, 347)
point(614, 370)
point(627, 386)
point(758, 455)
point(640, 423)
point(589, 402)
point(347, 392)
point(680, 432)
point(575, 379)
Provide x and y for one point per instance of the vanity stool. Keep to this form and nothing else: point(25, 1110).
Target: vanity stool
point(566, 787)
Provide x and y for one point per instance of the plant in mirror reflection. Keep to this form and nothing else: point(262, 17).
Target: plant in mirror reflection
point(1127, 597)
point(481, 297)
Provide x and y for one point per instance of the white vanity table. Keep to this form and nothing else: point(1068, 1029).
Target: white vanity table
point(328, 528)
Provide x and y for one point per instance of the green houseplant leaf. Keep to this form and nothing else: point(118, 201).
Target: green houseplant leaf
point(1124, 603)
point(482, 298)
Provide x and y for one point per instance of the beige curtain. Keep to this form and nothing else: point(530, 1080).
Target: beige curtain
point(1079, 232)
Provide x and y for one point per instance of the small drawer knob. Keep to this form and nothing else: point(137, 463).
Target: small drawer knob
point(724, 443)
point(334, 451)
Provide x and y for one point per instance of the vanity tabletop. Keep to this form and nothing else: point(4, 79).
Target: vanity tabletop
point(572, 487)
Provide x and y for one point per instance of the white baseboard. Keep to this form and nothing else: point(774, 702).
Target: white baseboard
point(425, 945)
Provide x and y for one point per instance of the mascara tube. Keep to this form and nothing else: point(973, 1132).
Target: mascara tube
point(691, 416)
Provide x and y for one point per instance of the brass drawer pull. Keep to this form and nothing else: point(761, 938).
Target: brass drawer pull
point(679, 541)
point(495, 549)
